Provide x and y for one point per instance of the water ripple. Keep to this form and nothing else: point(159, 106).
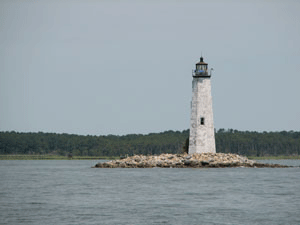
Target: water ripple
point(70, 192)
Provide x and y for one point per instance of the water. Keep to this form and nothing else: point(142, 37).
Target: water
point(71, 192)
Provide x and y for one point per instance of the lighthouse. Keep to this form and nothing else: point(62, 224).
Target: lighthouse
point(202, 136)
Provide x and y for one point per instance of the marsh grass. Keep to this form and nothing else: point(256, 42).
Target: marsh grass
point(53, 157)
point(274, 157)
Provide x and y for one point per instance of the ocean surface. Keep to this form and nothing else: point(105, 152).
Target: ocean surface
point(71, 192)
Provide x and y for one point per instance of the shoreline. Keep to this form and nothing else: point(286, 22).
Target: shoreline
point(57, 157)
point(280, 157)
point(54, 157)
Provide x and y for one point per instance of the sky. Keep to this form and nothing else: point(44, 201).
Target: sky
point(97, 67)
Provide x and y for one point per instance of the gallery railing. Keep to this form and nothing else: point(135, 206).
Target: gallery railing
point(201, 73)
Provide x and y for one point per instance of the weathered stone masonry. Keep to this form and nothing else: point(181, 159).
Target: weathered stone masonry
point(202, 138)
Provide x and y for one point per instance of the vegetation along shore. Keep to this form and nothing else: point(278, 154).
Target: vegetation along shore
point(248, 143)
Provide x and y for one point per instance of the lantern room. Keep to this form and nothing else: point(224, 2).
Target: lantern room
point(201, 69)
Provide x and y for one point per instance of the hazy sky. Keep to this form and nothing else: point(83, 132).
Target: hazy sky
point(118, 67)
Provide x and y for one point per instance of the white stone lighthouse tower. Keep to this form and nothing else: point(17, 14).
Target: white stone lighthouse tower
point(202, 136)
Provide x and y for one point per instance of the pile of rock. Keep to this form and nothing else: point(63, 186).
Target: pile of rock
point(185, 161)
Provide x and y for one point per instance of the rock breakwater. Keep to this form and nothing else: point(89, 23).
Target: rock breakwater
point(196, 160)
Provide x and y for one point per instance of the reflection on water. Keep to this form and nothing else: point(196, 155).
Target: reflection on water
point(71, 192)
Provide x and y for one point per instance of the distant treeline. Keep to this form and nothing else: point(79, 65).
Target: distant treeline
point(228, 141)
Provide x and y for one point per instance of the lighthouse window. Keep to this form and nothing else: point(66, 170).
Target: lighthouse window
point(202, 120)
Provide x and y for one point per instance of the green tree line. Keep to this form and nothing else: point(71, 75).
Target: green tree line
point(258, 143)
point(247, 143)
point(80, 145)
